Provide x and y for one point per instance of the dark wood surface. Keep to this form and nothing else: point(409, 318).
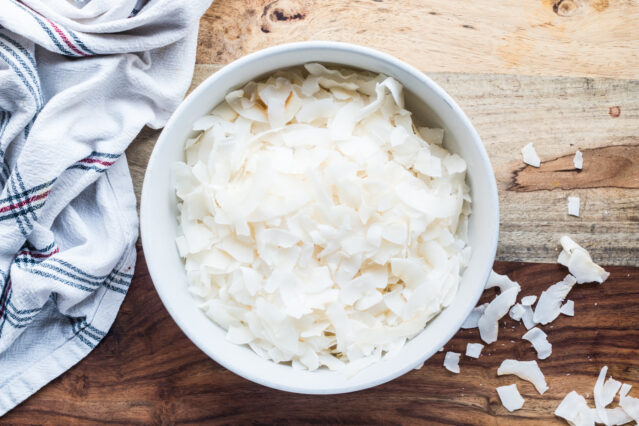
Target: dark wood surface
point(147, 371)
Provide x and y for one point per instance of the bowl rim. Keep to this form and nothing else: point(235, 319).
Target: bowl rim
point(155, 270)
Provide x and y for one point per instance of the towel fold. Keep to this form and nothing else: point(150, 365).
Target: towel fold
point(78, 80)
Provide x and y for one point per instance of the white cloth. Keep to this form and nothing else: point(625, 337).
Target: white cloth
point(76, 87)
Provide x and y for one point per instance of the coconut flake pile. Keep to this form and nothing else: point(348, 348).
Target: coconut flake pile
point(318, 225)
point(575, 410)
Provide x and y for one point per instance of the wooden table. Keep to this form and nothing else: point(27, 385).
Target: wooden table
point(559, 73)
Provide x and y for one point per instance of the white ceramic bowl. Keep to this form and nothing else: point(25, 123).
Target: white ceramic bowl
point(430, 105)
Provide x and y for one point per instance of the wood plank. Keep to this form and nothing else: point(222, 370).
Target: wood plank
point(540, 37)
point(616, 167)
point(560, 115)
point(147, 371)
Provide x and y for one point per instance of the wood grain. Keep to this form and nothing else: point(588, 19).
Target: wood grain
point(560, 115)
point(610, 167)
point(535, 37)
point(146, 370)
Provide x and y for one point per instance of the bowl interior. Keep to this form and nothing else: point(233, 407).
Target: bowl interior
point(430, 105)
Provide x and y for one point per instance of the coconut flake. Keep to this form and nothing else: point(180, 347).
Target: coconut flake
point(625, 389)
point(574, 409)
point(530, 155)
point(568, 308)
point(488, 323)
point(473, 317)
point(510, 397)
point(527, 370)
point(528, 300)
point(631, 406)
point(573, 206)
point(616, 416)
point(473, 350)
point(539, 340)
point(502, 281)
point(549, 304)
point(517, 311)
point(432, 135)
point(610, 389)
point(527, 317)
point(579, 262)
point(451, 362)
point(578, 161)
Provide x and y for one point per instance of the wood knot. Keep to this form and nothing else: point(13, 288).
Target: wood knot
point(280, 15)
point(614, 111)
point(600, 5)
point(567, 8)
point(280, 11)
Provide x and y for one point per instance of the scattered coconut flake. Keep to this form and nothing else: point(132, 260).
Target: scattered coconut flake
point(610, 389)
point(501, 281)
point(578, 161)
point(473, 317)
point(579, 262)
point(451, 362)
point(539, 340)
point(530, 155)
point(550, 301)
point(473, 350)
point(510, 397)
point(574, 409)
point(527, 317)
point(419, 367)
point(526, 370)
point(631, 406)
point(568, 308)
point(573, 206)
point(517, 311)
point(604, 393)
point(488, 323)
point(598, 395)
point(528, 300)
point(625, 389)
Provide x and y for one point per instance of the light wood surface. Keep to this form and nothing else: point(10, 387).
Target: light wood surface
point(147, 372)
point(559, 115)
point(531, 37)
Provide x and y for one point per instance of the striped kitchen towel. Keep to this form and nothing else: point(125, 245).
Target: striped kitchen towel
point(78, 81)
